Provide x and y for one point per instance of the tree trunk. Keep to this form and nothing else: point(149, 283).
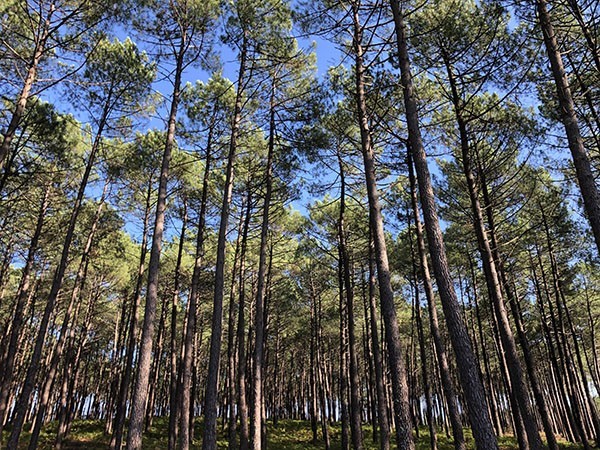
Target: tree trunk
point(210, 399)
point(355, 406)
point(231, 350)
point(121, 402)
point(439, 345)
point(174, 412)
point(423, 355)
point(8, 364)
point(513, 302)
point(382, 411)
point(67, 330)
point(556, 355)
point(140, 392)
point(259, 307)
point(396, 364)
point(241, 334)
point(581, 161)
point(481, 424)
point(518, 382)
point(183, 392)
point(29, 384)
point(30, 78)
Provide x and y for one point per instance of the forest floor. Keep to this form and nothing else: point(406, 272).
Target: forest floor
point(288, 435)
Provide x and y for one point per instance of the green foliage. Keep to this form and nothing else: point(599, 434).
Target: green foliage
point(118, 80)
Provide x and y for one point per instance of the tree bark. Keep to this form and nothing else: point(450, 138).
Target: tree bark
point(140, 392)
point(128, 370)
point(241, 334)
point(8, 364)
point(355, 406)
point(481, 424)
point(174, 412)
point(29, 384)
point(67, 330)
point(515, 371)
point(439, 345)
point(382, 411)
point(183, 394)
point(17, 116)
point(581, 160)
point(400, 392)
point(259, 307)
point(210, 398)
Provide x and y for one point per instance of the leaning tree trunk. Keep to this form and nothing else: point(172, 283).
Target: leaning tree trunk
point(581, 160)
point(36, 357)
point(17, 116)
point(515, 371)
point(400, 392)
point(439, 345)
point(522, 336)
point(483, 431)
point(22, 295)
point(67, 327)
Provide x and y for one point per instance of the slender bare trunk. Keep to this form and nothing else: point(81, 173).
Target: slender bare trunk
point(400, 392)
point(483, 431)
point(173, 380)
point(30, 78)
point(581, 160)
point(439, 345)
point(29, 384)
point(121, 401)
point(241, 334)
point(67, 329)
point(8, 366)
point(183, 392)
point(140, 392)
point(259, 307)
point(211, 393)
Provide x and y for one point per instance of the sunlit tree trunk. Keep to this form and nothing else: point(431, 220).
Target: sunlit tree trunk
point(481, 424)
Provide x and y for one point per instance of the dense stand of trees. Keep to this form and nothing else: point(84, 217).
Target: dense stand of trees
point(408, 239)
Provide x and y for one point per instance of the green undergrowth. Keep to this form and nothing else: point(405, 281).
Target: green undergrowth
point(287, 435)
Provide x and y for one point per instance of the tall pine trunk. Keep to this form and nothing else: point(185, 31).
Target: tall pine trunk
point(8, 364)
point(481, 423)
point(355, 406)
point(400, 394)
point(515, 371)
point(581, 160)
point(382, 410)
point(128, 369)
point(22, 404)
point(439, 345)
point(256, 425)
point(140, 392)
point(211, 393)
point(183, 395)
point(44, 28)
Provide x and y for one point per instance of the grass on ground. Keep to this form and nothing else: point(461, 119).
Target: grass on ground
point(288, 435)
